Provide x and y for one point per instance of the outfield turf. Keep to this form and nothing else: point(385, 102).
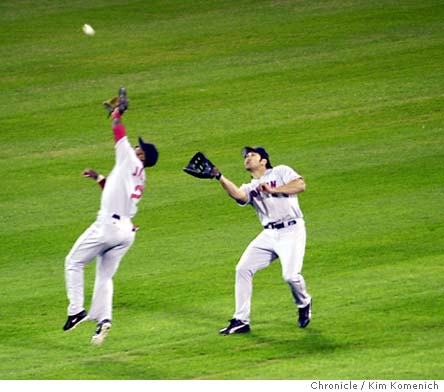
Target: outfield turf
point(349, 93)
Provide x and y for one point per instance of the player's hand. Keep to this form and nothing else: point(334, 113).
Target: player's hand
point(216, 173)
point(266, 188)
point(90, 173)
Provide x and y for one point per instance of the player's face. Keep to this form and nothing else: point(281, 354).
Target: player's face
point(140, 154)
point(253, 161)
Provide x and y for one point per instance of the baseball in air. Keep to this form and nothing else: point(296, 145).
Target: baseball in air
point(88, 30)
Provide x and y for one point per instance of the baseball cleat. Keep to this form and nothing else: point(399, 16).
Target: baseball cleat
point(304, 315)
point(75, 320)
point(101, 332)
point(235, 326)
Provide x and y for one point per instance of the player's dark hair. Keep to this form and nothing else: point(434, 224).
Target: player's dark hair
point(151, 153)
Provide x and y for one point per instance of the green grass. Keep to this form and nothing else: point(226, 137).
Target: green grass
point(349, 93)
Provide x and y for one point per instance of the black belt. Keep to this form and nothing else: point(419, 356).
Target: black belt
point(115, 216)
point(281, 225)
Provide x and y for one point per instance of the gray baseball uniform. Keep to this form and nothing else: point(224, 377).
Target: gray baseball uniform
point(283, 237)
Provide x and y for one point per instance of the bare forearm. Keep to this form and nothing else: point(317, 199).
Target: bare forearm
point(292, 188)
point(232, 190)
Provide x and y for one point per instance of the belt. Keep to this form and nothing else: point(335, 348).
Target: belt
point(115, 216)
point(280, 225)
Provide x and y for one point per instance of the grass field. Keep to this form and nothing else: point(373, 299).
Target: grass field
point(349, 93)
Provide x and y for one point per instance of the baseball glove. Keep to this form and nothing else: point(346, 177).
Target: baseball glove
point(201, 167)
point(121, 102)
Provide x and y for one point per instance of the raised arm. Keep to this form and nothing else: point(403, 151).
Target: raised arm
point(117, 125)
point(231, 188)
point(116, 107)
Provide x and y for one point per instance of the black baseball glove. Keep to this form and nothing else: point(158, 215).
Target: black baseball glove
point(121, 102)
point(201, 167)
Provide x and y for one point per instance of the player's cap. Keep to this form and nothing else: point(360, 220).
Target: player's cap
point(151, 153)
point(259, 150)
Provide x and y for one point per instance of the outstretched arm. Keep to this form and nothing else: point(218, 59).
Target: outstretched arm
point(231, 188)
point(116, 107)
point(117, 125)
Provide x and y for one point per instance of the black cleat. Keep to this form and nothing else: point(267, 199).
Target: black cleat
point(101, 332)
point(75, 320)
point(304, 315)
point(235, 326)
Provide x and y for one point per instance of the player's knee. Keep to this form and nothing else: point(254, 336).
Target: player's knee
point(68, 262)
point(72, 264)
point(243, 271)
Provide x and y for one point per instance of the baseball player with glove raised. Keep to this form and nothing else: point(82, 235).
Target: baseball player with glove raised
point(272, 192)
point(112, 234)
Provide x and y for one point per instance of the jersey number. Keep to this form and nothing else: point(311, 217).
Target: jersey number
point(137, 192)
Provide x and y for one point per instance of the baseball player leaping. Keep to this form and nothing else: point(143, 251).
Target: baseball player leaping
point(273, 193)
point(112, 234)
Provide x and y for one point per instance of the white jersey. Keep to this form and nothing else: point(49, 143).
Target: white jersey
point(124, 185)
point(277, 207)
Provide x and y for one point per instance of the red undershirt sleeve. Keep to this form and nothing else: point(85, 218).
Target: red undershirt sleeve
point(118, 129)
point(119, 132)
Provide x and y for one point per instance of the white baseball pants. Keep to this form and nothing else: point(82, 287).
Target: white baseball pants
point(107, 239)
point(287, 244)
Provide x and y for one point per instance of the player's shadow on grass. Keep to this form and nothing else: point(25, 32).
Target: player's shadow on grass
point(296, 342)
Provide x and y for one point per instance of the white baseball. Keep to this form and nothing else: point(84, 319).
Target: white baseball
point(88, 30)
